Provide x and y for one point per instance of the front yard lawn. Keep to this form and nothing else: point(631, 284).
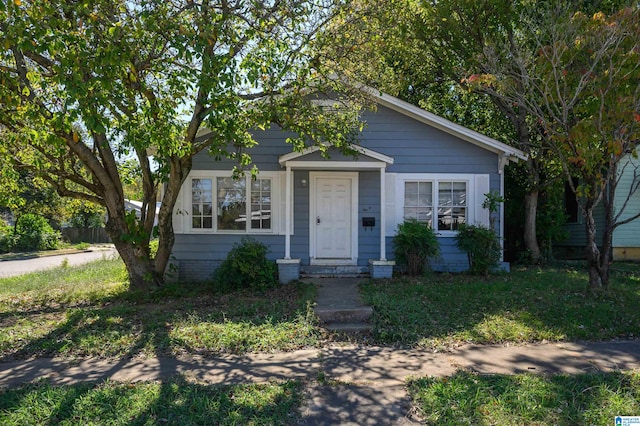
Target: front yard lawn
point(472, 399)
point(87, 311)
point(440, 311)
point(175, 402)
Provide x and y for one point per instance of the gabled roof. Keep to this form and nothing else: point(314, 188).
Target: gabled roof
point(283, 159)
point(506, 152)
point(426, 117)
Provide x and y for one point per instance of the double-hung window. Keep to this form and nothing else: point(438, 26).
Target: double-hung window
point(441, 204)
point(201, 204)
point(225, 204)
point(452, 205)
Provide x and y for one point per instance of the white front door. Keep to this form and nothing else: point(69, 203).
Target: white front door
point(332, 217)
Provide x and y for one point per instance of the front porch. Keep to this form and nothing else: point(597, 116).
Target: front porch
point(342, 200)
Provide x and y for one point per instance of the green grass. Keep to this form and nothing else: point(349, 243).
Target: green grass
point(176, 402)
point(91, 282)
point(439, 311)
point(472, 399)
point(87, 311)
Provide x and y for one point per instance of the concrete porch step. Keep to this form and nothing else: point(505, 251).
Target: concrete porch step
point(333, 271)
point(358, 327)
point(360, 314)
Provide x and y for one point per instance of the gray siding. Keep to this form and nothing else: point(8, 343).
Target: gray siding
point(369, 206)
point(577, 233)
point(415, 147)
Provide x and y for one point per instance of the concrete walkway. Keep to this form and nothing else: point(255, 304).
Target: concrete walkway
point(373, 377)
point(359, 365)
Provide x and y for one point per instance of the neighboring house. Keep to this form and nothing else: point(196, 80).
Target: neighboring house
point(626, 238)
point(134, 205)
point(342, 212)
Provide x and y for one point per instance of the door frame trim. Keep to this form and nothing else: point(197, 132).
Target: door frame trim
point(353, 177)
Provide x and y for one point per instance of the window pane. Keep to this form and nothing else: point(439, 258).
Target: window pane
point(418, 200)
point(196, 222)
point(411, 200)
point(261, 204)
point(425, 199)
point(458, 217)
point(444, 194)
point(444, 219)
point(231, 204)
point(411, 187)
point(452, 199)
point(201, 208)
point(207, 222)
point(410, 213)
point(459, 193)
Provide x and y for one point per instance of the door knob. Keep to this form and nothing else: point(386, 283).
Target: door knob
point(318, 220)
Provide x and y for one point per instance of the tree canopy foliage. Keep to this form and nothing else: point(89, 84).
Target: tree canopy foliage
point(564, 75)
point(86, 84)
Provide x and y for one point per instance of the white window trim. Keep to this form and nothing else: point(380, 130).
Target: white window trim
point(436, 178)
point(277, 224)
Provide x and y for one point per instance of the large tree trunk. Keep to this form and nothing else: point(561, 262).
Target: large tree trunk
point(530, 215)
point(608, 199)
point(133, 254)
point(592, 251)
point(178, 174)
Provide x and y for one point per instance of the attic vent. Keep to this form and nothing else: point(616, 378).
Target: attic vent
point(328, 104)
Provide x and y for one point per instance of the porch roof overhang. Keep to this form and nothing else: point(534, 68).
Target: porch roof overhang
point(375, 160)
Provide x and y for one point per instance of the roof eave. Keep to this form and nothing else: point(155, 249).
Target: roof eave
point(445, 125)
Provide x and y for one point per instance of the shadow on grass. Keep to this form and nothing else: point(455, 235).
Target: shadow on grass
point(163, 326)
point(467, 398)
point(175, 401)
point(524, 306)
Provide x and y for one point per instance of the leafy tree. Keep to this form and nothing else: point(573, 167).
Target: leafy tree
point(84, 214)
point(578, 75)
point(582, 75)
point(85, 83)
point(27, 194)
point(433, 55)
point(131, 179)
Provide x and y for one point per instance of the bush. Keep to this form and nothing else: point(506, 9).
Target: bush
point(5, 236)
point(247, 266)
point(414, 243)
point(33, 232)
point(482, 247)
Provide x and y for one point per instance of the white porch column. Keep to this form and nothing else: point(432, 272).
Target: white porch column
point(287, 231)
point(383, 219)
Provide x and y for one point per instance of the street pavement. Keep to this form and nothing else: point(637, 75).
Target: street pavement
point(14, 267)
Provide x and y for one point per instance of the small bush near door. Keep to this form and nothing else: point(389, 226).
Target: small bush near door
point(414, 243)
point(482, 247)
point(247, 266)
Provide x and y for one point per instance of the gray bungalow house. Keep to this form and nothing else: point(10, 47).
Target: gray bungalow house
point(341, 213)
